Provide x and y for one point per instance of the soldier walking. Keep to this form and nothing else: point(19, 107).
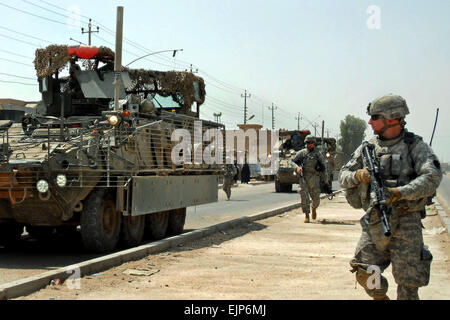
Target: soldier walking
point(228, 179)
point(309, 164)
point(411, 173)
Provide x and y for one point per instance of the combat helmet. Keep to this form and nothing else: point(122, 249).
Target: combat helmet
point(310, 138)
point(390, 106)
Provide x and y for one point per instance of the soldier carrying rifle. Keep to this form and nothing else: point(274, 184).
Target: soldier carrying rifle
point(406, 172)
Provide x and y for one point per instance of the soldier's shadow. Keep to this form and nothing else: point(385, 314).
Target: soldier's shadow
point(216, 239)
point(337, 222)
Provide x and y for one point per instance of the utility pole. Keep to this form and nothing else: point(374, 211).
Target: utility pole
point(273, 108)
point(191, 71)
point(328, 133)
point(118, 57)
point(89, 32)
point(217, 117)
point(245, 96)
point(315, 125)
point(298, 120)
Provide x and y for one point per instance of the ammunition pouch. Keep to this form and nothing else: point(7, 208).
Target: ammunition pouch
point(353, 198)
point(415, 272)
point(319, 167)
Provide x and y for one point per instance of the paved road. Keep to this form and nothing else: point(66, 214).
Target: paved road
point(33, 257)
point(245, 200)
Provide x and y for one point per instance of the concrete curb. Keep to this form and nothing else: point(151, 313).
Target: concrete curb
point(34, 283)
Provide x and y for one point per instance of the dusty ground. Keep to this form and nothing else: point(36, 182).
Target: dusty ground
point(277, 258)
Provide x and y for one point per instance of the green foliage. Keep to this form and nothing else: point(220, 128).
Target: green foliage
point(352, 134)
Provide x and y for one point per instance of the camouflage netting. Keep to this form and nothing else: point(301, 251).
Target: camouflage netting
point(179, 85)
point(167, 84)
point(55, 57)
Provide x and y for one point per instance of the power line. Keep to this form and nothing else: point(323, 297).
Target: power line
point(13, 75)
point(25, 35)
point(16, 82)
point(15, 39)
point(12, 61)
point(32, 14)
point(46, 9)
point(15, 54)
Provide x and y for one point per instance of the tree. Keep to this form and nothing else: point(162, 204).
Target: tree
point(352, 134)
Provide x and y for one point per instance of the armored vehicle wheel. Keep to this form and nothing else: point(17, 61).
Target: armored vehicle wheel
point(10, 233)
point(132, 230)
point(67, 231)
point(156, 224)
point(40, 233)
point(277, 186)
point(177, 217)
point(286, 187)
point(100, 222)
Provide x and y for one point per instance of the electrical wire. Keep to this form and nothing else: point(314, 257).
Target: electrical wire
point(16, 82)
point(16, 76)
point(32, 14)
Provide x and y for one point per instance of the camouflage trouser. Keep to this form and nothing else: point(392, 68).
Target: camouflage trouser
point(227, 183)
point(310, 186)
point(404, 249)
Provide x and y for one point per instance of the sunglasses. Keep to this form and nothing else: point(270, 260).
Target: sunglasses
point(375, 117)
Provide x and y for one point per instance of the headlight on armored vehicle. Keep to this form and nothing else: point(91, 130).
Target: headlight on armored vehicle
point(113, 120)
point(42, 186)
point(61, 180)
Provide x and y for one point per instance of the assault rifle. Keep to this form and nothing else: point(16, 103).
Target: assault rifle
point(376, 184)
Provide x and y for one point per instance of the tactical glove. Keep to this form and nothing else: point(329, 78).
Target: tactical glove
point(394, 195)
point(362, 176)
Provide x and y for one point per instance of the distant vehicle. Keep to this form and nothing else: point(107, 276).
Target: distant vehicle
point(290, 143)
point(15, 110)
point(78, 161)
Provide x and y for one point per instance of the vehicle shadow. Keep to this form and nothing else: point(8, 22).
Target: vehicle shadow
point(219, 237)
point(48, 254)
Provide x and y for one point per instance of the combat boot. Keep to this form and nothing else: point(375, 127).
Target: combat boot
point(306, 217)
point(314, 213)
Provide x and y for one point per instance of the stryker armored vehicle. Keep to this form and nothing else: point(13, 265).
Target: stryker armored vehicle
point(291, 143)
point(80, 161)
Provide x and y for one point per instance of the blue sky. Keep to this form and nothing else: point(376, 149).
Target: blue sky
point(317, 58)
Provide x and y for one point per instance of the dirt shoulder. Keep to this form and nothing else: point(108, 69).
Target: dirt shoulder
point(278, 258)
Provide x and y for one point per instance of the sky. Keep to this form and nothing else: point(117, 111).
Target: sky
point(316, 60)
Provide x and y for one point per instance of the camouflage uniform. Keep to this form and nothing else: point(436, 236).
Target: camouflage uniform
point(228, 180)
point(409, 165)
point(310, 182)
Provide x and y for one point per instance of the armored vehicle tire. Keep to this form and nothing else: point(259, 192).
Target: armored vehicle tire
point(40, 233)
point(177, 218)
point(156, 224)
point(282, 187)
point(277, 186)
point(286, 188)
point(100, 222)
point(10, 233)
point(132, 230)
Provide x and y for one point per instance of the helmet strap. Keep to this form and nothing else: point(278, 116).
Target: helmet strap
point(388, 126)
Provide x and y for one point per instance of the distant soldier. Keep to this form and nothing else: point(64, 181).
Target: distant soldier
point(309, 164)
point(410, 172)
point(228, 179)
